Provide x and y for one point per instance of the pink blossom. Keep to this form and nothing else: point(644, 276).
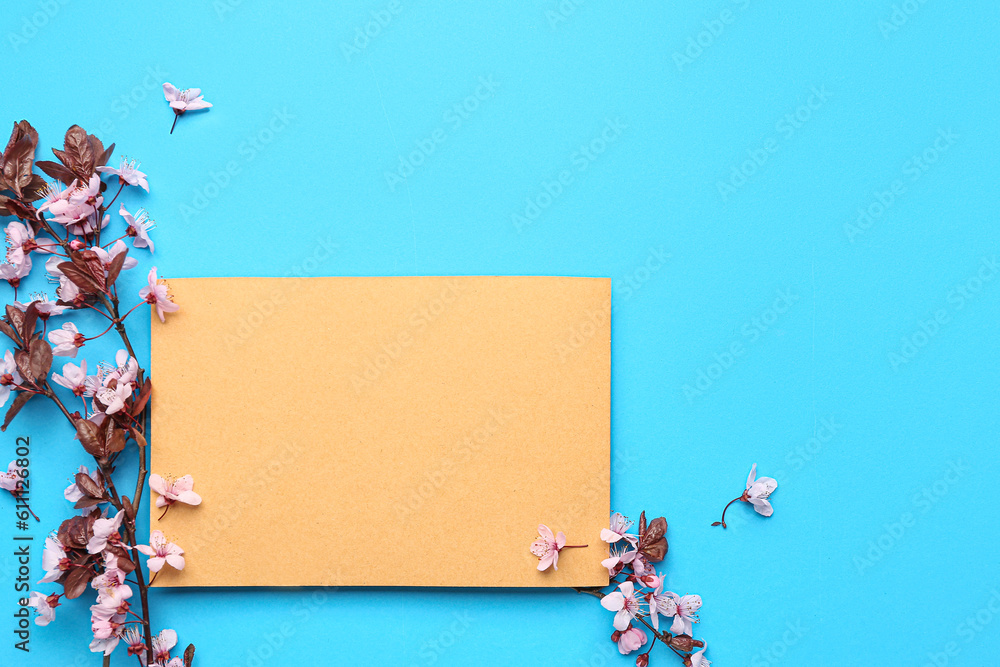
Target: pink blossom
point(113, 398)
point(161, 551)
point(21, 240)
point(75, 379)
point(157, 295)
point(105, 530)
point(758, 491)
point(630, 639)
point(107, 256)
point(162, 644)
point(133, 637)
point(126, 369)
point(624, 603)
point(138, 227)
point(75, 203)
point(128, 173)
point(547, 547)
point(698, 659)
point(9, 376)
point(13, 273)
point(174, 490)
point(684, 612)
point(11, 480)
point(54, 561)
point(112, 577)
point(619, 530)
point(66, 341)
point(618, 559)
point(110, 629)
point(45, 606)
point(46, 307)
point(189, 99)
point(87, 225)
point(660, 603)
point(53, 193)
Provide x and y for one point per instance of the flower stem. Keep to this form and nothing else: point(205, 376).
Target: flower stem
point(723, 522)
point(176, 116)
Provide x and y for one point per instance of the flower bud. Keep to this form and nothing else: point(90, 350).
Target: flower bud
point(616, 635)
point(642, 660)
point(684, 643)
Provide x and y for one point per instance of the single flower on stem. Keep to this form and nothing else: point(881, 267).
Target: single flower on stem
point(161, 551)
point(112, 398)
point(11, 481)
point(13, 273)
point(757, 493)
point(66, 341)
point(156, 294)
point(136, 643)
point(548, 546)
point(173, 491)
point(128, 173)
point(181, 101)
point(108, 256)
point(618, 559)
point(138, 227)
point(45, 606)
point(46, 307)
point(685, 612)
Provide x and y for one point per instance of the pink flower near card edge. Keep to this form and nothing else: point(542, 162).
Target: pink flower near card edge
point(161, 551)
point(156, 294)
point(174, 490)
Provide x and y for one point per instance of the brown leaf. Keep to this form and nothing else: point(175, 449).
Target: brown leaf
point(140, 439)
point(116, 441)
point(88, 486)
point(80, 278)
point(30, 318)
point(22, 398)
point(15, 316)
point(75, 532)
point(56, 171)
point(35, 189)
point(655, 551)
point(124, 561)
point(92, 264)
point(41, 358)
point(86, 502)
point(80, 151)
point(129, 509)
point(9, 332)
point(188, 655)
point(18, 156)
point(657, 529)
point(140, 402)
point(77, 580)
point(23, 362)
point(116, 267)
point(105, 156)
point(642, 523)
point(90, 437)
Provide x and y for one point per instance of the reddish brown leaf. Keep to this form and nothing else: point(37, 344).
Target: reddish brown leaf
point(75, 532)
point(105, 156)
point(35, 189)
point(86, 502)
point(188, 655)
point(40, 358)
point(18, 156)
point(9, 332)
point(116, 441)
point(80, 151)
point(19, 401)
point(56, 171)
point(124, 561)
point(116, 267)
point(80, 278)
point(140, 439)
point(30, 318)
point(15, 317)
point(129, 509)
point(88, 486)
point(77, 580)
point(23, 362)
point(140, 403)
point(90, 437)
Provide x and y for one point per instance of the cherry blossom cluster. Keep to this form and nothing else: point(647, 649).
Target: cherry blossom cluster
point(635, 593)
point(65, 226)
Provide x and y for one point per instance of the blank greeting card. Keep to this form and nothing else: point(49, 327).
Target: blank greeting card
point(399, 431)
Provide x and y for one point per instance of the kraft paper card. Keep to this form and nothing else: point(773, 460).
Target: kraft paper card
point(384, 431)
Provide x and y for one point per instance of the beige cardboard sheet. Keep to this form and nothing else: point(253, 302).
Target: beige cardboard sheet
point(402, 431)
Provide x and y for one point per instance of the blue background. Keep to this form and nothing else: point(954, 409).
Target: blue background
point(834, 577)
